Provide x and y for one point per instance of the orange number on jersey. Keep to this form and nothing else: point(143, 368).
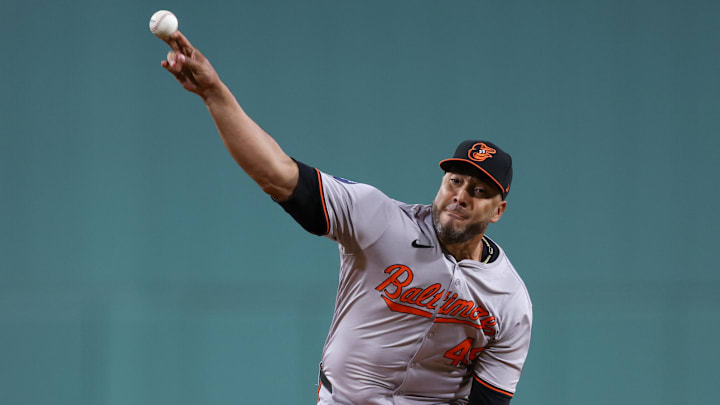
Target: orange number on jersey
point(457, 354)
point(463, 352)
point(474, 353)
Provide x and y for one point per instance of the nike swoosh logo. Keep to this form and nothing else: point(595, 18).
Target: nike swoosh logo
point(415, 244)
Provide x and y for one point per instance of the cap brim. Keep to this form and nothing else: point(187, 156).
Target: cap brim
point(444, 164)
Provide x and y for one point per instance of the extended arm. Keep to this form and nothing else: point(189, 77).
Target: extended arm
point(252, 148)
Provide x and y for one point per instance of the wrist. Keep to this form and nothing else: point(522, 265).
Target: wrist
point(215, 93)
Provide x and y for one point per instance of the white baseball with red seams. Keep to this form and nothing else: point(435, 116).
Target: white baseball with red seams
point(163, 23)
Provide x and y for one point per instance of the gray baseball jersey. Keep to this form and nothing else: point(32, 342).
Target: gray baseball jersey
point(411, 324)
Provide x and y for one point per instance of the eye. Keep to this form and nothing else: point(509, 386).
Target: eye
point(479, 190)
point(454, 180)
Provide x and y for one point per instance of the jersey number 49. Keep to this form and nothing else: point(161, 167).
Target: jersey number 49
point(463, 352)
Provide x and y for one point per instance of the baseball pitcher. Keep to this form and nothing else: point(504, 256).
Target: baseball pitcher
point(429, 309)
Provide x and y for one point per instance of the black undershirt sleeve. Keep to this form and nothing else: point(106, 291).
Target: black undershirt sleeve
point(306, 205)
point(483, 395)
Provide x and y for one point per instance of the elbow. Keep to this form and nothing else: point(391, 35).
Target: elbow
point(278, 181)
point(280, 189)
point(278, 193)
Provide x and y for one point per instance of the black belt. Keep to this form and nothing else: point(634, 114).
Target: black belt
point(324, 380)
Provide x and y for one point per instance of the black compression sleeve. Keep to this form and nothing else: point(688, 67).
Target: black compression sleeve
point(307, 204)
point(484, 394)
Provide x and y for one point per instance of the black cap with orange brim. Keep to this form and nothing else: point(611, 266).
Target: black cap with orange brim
point(487, 158)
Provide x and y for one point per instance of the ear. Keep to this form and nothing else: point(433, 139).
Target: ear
point(499, 210)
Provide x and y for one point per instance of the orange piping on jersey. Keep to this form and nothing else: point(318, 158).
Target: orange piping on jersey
point(453, 320)
point(483, 170)
point(322, 198)
point(510, 394)
point(319, 387)
point(405, 309)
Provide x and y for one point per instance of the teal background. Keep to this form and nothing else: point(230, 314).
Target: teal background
point(139, 265)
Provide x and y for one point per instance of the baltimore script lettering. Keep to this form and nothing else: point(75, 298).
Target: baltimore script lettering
point(424, 301)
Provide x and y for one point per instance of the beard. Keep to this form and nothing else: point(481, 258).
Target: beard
point(446, 234)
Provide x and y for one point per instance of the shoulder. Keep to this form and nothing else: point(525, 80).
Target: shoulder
point(517, 288)
point(514, 279)
point(418, 212)
point(517, 311)
point(510, 292)
point(353, 189)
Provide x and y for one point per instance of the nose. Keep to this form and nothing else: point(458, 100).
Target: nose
point(461, 197)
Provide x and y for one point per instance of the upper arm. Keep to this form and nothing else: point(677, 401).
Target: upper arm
point(497, 370)
point(351, 213)
point(306, 204)
point(284, 182)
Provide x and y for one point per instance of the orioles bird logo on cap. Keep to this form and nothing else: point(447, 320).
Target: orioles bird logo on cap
point(479, 152)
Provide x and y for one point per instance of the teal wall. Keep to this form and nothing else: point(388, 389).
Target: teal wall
point(138, 264)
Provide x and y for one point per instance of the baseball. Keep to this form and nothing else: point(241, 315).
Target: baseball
point(163, 23)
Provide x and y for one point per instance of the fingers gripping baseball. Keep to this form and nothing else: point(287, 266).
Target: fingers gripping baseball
point(191, 69)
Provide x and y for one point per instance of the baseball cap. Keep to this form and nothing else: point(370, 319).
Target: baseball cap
point(487, 158)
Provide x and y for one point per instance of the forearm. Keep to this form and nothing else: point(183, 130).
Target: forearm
point(252, 148)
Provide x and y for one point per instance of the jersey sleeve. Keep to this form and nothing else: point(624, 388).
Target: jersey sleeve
point(499, 366)
point(348, 212)
point(483, 394)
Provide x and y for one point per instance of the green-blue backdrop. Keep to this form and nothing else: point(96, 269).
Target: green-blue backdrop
point(139, 265)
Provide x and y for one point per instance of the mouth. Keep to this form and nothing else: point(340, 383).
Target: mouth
point(455, 214)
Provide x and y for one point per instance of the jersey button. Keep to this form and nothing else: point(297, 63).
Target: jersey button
point(412, 364)
point(430, 334)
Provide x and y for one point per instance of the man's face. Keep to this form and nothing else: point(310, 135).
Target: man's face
point(464, 206)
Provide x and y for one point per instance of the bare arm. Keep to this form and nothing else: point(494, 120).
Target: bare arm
point(252, 148)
